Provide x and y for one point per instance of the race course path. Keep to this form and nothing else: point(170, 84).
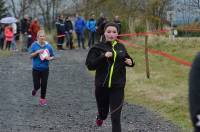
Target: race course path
point(71, 103)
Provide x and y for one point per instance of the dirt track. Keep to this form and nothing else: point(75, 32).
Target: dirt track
point(71, 104)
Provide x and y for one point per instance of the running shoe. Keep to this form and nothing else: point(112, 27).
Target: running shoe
point(99, 121)
point(43, 102)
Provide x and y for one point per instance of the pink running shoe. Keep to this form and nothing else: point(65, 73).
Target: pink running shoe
point(99, 122)
point(43, 102)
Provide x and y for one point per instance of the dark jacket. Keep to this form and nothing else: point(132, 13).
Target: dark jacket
point(60, 27)
point(119, 25)
point(25, 26)
point(100, 25)
point(68, 25)
point(96, 60)
point(194, 89)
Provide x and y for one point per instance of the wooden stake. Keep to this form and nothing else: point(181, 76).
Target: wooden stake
point(146, 57)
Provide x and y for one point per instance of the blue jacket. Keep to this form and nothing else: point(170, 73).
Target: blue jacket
point(80, 25)
point(91, 25)
point(37, 63)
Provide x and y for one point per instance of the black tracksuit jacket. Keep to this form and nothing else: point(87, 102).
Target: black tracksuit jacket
point(194, 91)
point(96, 60)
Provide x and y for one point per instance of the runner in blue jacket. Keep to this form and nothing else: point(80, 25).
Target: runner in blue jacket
point(41, 53)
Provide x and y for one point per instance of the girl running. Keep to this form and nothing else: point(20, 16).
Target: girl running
point(109, 58)
point(41, 53)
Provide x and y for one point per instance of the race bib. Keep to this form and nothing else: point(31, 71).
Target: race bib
point(45, 54)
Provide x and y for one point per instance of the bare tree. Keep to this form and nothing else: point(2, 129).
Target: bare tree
point(195, 4)
point(20, 7)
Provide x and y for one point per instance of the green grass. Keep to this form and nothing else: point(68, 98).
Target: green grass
point(166, 92)
point(5, 53)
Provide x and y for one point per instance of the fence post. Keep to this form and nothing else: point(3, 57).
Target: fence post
point(146, 57)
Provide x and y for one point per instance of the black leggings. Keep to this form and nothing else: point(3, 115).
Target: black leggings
point(113, 98)
point(40, 81)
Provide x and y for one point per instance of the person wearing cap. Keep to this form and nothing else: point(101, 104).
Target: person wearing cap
point(41, 53)
point(109, 59)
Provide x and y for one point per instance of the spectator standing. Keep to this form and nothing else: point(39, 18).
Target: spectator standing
point(69, 32)
point(17, 35)
point(25, 23)
point(33, 29)
point(60, 32)
point(79, 29)
point(118, 22)
point(100, 27)
point(8, 31)
point(1, 37)
point(91, 26)
point(13, 44)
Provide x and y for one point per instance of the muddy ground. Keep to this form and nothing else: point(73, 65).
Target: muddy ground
point(71, 103)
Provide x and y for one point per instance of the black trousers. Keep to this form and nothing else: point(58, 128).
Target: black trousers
point(196, 129)
point(110, 98)
point(69, 42)
point(1, 43)
point(8, 45)
point(40, 81)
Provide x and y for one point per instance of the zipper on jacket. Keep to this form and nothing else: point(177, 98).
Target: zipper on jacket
point(112, 67)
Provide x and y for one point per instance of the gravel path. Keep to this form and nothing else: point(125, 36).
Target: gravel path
point(71, 104)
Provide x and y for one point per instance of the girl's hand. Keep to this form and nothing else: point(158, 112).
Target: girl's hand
point(128, 61)
point(39, 51)
point(49, 58)
point(108, 54)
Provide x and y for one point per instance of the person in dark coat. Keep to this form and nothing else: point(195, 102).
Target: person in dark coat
point(68, 32)
point(17, 35)
point(118, 22)
point(25, 23)
point(109, 59)
point(60, 26)
point(194, 93)
point(101, 22)
point(1, 36)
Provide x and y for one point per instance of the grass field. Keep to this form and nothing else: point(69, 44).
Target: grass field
point(5, 53)
point(166, 92)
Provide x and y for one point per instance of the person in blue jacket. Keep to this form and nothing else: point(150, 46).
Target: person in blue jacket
point(80, 26)
point(91, 26)
point(41, 53)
